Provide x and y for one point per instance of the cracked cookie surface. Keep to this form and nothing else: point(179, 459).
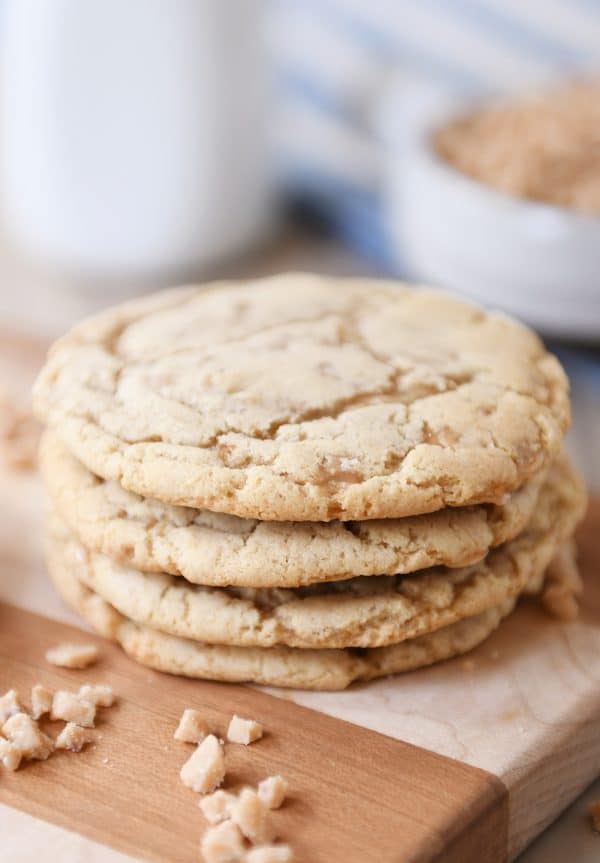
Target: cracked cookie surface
point(223, 550)
point(359, 612)
point(327, 669)
point(306, 398)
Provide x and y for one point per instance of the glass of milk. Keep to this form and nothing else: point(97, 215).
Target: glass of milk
point(133, 134)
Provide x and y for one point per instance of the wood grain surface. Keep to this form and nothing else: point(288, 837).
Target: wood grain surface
point(355, 796)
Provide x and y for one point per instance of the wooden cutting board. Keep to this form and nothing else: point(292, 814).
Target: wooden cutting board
point(465, 761)
point(355, 796)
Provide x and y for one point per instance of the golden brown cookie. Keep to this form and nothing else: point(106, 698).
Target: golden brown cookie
point(276, 666)
point(360, 612)
point(224, 550)
point(306, 398)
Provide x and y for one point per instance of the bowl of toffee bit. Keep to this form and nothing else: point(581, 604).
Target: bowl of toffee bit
point(501, 202)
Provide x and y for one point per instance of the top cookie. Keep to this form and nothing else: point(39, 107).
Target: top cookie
point(302, 397)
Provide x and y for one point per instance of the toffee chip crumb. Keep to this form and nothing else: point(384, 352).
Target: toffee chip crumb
point(71, 707)
point(10, 703)
point(10, 756)
point(72, 655)
point(270, 854)
point(73, 737)
point(216, 807)
point(98, 695)
point(244, 731)
point(204, 770)
point(41, 701)
point(222, 844)
point(192, 727)
point(272, 791)
point(251, 816)
point(27, 737)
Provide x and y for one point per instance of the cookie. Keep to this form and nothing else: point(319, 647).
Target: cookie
point(360, 612)
point(224, 550)
point(275, 666)
point(306, 398)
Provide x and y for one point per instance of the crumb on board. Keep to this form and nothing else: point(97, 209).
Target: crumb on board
point(10, 756)
point(216, 807)
point(98, 695)
point(10, 703)
point(594, 813)
point(244, 731)
point(240, 825)
point(25, 735)
point(468, 664)
point(222, 844)
point(70, 707)
point(72, 655)
point(192, 727)
point(272, 791)
point(204, 770)
point(251, 816)
point(73, 737)
point(23, 738)
point(269, 854)
point(41, 701)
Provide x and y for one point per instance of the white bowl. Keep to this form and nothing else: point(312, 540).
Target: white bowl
point(536, 261)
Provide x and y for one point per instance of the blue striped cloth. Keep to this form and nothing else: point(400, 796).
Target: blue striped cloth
point(334, 60)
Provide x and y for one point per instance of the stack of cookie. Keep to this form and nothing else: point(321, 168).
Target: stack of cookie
point(304, 481)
